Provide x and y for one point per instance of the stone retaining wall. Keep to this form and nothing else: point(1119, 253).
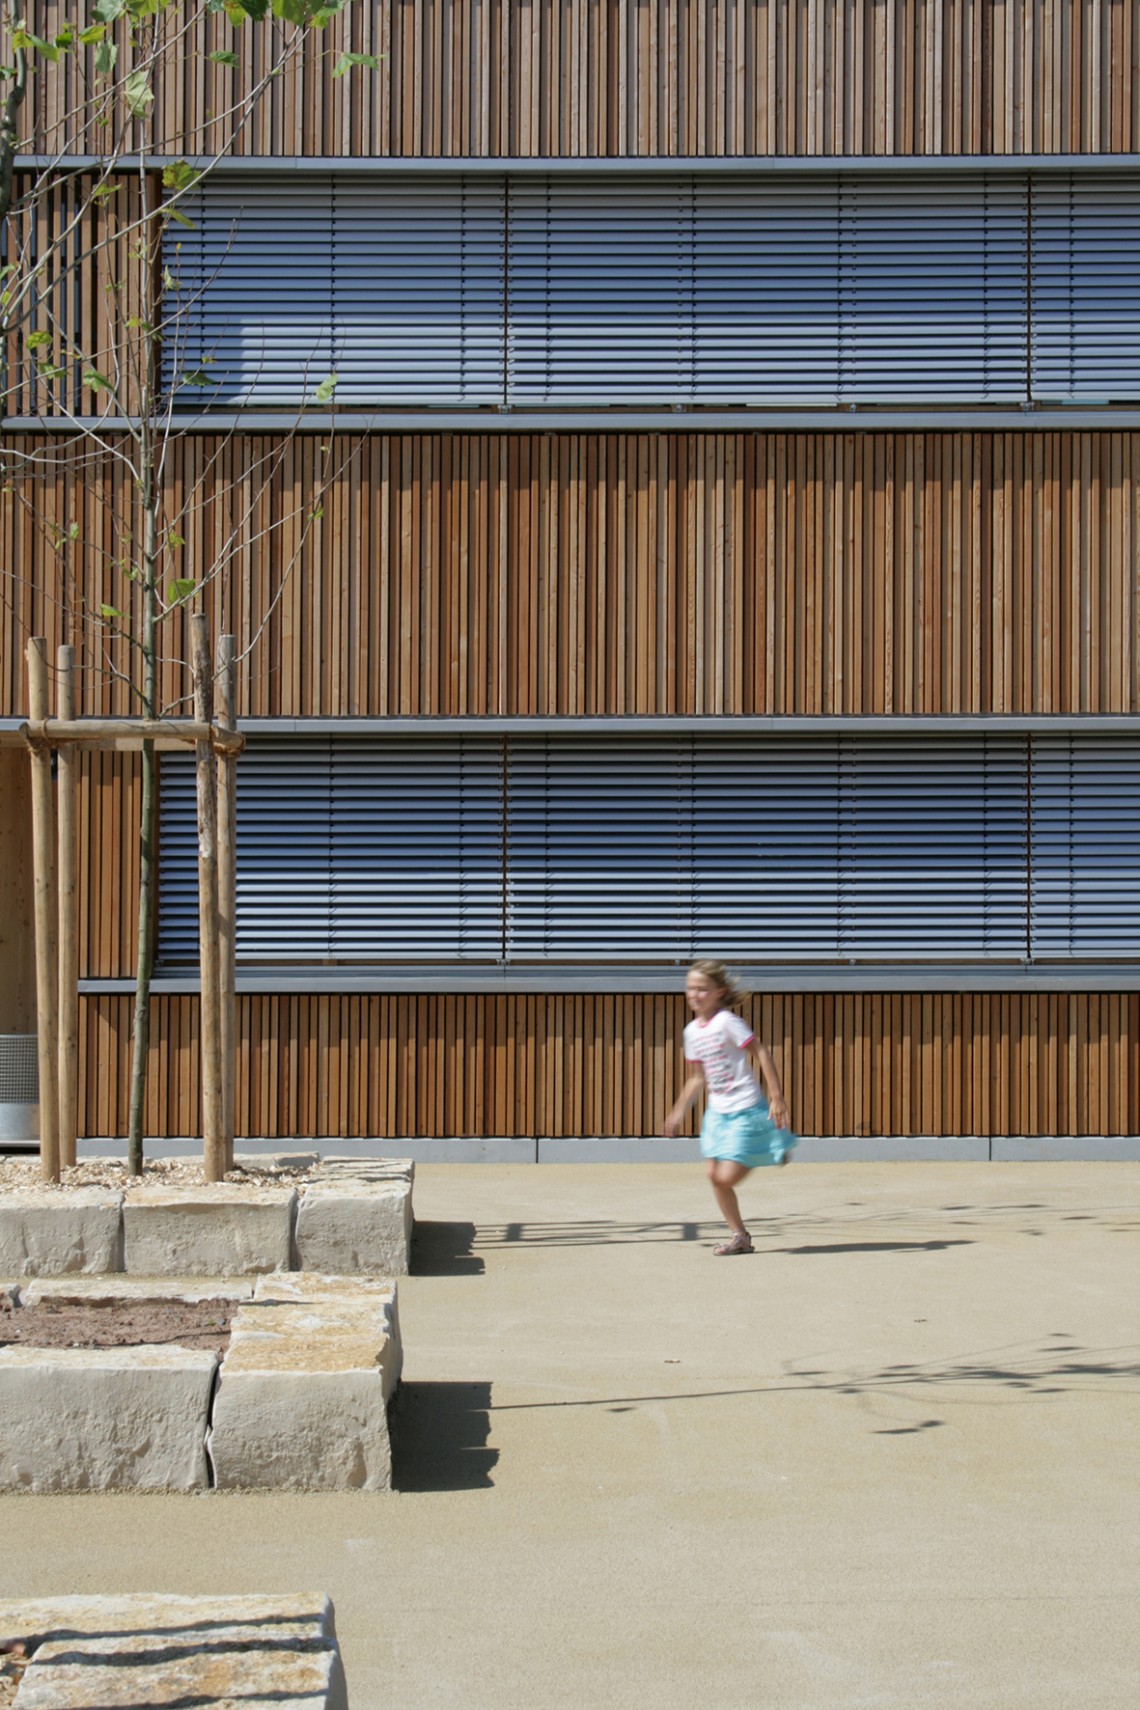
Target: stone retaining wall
point(299, 1402)
point(353, 1218)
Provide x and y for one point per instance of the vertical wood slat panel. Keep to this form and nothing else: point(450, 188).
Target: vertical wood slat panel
point(395, 1067)
point(613, 574)
point(655, 77)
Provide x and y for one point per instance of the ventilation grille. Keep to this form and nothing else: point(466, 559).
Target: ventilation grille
point(19, 1074)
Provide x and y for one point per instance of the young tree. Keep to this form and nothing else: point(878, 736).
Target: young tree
point(97, 345)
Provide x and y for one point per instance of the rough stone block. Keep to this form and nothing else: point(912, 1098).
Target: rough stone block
point(256, 1652)
point(351, 1226)
point(302, 1401)
point(49, 1232)
point(223, 1229)
point(104, 1291)
point(104, 1419)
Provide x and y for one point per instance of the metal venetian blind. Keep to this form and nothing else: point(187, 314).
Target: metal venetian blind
point(1085, 834)
point(766, 880)
point(766, 297)
point(417, 849)
point(394, 286)
point(254, 287)
point(934, 290)
point(1085, 271)
point(599, 291)
point(348, 850)
point(599, 850)
point(418, 290)
point(933, 849)
point(284, 810)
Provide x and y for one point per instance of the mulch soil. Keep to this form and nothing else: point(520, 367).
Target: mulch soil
point(118, 1324)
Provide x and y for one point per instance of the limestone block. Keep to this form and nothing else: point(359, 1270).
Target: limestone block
point(256, 1652)
point(222, 1229)
point(370, 1169)
point(104, 1291)
point(104, 1418)
point(350, 1223)
point(302, 1401)
point(378, 1294)
point(50, 1232)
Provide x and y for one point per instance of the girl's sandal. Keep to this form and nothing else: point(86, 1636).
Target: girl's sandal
point(741, 1243)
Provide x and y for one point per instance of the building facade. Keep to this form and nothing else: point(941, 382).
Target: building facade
point(730, 500)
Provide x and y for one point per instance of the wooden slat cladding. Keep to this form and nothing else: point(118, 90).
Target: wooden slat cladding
point(438, 1066)
point(110, 804)
point(621, 574)
point(660, 77)
point(81, 248)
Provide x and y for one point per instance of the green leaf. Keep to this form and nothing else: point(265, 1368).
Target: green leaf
point(97, 382)
point(255, 9)
point(348, 60)
point(138, 94)
point(111, 613)
point(24, 40)
point(180, 175)
point(49, 371)
point(104, 192)
point(326, 388)
point(181, 219)
point(174, 541)
point(106, 11)
point(223, 56)
point(37, 340)
point(65, 38)
point(106, 58)
point(198, 377)
point(95, 34)
point(182, 588)
point(73, 531)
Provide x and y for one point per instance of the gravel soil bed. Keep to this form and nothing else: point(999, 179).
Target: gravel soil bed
point(118, 1324)
point(23, 1175)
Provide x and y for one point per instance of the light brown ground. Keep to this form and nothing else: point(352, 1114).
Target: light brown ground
point(18, 1174)
point(117, 1324)
point(887, 1463)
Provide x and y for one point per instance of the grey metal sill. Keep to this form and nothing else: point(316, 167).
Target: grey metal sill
point(857, 418)
point(555, 978)
point(608, 166)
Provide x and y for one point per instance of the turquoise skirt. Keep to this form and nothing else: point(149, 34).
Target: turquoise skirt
point(747, 1137)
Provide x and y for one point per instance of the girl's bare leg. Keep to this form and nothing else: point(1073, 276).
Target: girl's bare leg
point(724, 1178)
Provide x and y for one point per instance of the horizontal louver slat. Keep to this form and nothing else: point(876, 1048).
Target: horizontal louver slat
point(1085, 270)
point(1085, 896)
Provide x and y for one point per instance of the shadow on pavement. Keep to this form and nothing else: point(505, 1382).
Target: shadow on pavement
point(444, 1250)
point(439, 1437)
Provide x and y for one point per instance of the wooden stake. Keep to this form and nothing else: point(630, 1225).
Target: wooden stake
point(227, 888)
point(68, 807)
point(214, 1155)
point(43, 859)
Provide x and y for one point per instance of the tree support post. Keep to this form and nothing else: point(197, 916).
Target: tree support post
point(214, 1150)
point(46, 913)
point(67, 772)
point(227, 886)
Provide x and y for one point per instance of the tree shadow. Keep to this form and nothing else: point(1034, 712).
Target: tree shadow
point(444, 1250)
point(439, 1437)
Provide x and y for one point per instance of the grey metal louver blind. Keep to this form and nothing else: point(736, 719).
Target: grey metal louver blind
point(348, 849)
point(598, 849)
point(934, 289)
point(933, 856)
point(766, 880)
point(1085, 270)
point(395, 285)
point(417, 850)
point(599, 291)
point(766, 292)
point(1085, 894)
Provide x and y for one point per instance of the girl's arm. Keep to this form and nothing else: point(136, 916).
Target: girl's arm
point(777, 1109)
point(689, 1092)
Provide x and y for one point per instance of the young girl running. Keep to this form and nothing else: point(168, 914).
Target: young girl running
point(739, 1130)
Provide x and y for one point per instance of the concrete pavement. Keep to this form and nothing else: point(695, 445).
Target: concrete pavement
point(889, 1461)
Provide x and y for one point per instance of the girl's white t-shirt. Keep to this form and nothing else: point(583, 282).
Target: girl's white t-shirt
point(720, 1046)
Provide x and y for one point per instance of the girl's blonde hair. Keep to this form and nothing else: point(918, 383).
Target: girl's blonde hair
point(718, 975)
